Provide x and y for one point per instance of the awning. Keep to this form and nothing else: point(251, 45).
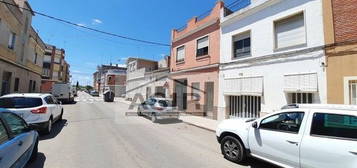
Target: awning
point(251, 86)
point(301, 83)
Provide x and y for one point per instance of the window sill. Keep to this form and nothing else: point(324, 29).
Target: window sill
point(241, 57)
point(290, 47)
point(202, 57)
point(180, 62)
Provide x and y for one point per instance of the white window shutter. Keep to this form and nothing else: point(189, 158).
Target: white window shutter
point(180, 53)
point(290, 32)
point(202, 43)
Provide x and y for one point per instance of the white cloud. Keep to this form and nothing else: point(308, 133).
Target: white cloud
point(96, 21)
point(81, 24)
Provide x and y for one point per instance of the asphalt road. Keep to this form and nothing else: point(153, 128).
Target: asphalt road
point(95, 134)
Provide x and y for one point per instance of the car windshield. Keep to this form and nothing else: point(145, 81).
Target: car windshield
point(164, 103)
point(20, 102)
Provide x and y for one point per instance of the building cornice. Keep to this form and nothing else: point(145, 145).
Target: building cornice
point(195, 69)
point(208, 24)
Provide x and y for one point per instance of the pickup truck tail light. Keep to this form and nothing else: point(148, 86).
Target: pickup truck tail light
point(41, 110)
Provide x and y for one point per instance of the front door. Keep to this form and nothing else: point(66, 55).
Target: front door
point(181, 94)
point(278, 138)
point(6, 83)
point(209, 95)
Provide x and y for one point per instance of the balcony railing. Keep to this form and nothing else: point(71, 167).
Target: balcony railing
point(236, 6)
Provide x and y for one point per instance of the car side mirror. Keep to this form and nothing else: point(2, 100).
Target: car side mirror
point(255, 124)
point(30, 128)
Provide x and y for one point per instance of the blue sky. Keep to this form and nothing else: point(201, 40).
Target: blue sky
point(149, 20)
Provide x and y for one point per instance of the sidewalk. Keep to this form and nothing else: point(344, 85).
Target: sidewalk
point(200, 122)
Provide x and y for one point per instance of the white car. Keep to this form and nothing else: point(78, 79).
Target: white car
point(157, 108)
point(313, 136)
point(38, 110)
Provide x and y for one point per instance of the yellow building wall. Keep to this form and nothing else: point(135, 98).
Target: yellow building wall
point(342, 62)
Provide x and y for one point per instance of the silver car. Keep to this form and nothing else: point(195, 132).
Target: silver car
point(157, 108)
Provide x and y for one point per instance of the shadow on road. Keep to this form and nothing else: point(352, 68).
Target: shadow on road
point(256, 163)
point(69, 103)
point(169, 121)
point(56, 129)
point(38, 163)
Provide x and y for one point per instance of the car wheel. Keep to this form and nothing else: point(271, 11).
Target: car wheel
point(153, 118)
point(34, 152)
point(233, 149)
point(139, 112)
point(49, 127)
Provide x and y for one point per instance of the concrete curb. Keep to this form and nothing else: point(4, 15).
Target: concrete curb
point(207, 129)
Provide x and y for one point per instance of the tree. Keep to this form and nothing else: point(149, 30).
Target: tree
point(88, 87)
point(77, 85)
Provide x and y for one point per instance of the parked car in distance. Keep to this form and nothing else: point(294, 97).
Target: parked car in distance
point(63, 92)
point(94, 93)
point(302, 136)
point(18, 141)
point(38, 110)
point(157, 108)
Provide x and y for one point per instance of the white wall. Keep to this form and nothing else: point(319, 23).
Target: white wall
point(261, 25)
point(262, 28)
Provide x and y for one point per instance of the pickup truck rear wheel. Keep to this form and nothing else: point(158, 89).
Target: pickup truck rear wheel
point(233, 149)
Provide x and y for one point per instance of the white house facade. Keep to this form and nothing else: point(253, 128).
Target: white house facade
point(271, 55)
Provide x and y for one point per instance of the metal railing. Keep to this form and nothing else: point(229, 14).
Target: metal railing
point(236, 6)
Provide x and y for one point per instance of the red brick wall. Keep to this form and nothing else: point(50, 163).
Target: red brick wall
point(345, 20)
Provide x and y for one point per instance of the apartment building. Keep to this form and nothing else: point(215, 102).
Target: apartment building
point(136, 81)
point(194, 64)
point(340, 25)
point(109, 77)
point(21, 49)
point(55, 68)
point(272, 54)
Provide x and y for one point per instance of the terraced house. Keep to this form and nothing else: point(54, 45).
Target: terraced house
point(272, 54)
point(194, 64)
point(340, 25)
point(21, 49)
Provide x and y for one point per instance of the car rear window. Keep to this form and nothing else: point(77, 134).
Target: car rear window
point(164, 103)
point(20, 102)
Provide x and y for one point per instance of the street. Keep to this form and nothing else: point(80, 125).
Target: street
point(95, 134)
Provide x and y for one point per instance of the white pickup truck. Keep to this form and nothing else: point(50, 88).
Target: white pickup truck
point(301, 136)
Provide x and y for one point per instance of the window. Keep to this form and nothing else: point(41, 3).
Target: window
point(196, 91)
point(180, 54)
point(333, 125)
point(3, 134)
point(290, 32)
point(12, 40)
point(287, 122)
point(49, 100)
point(353, 92)
point(30, 86)
point(17, 83)
point(17, 125)
point(20, 102)
point(241, 45)
point(300, 98)
point(202, 46)
point(35, 59)
point(34, 86)
point(244, 106)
